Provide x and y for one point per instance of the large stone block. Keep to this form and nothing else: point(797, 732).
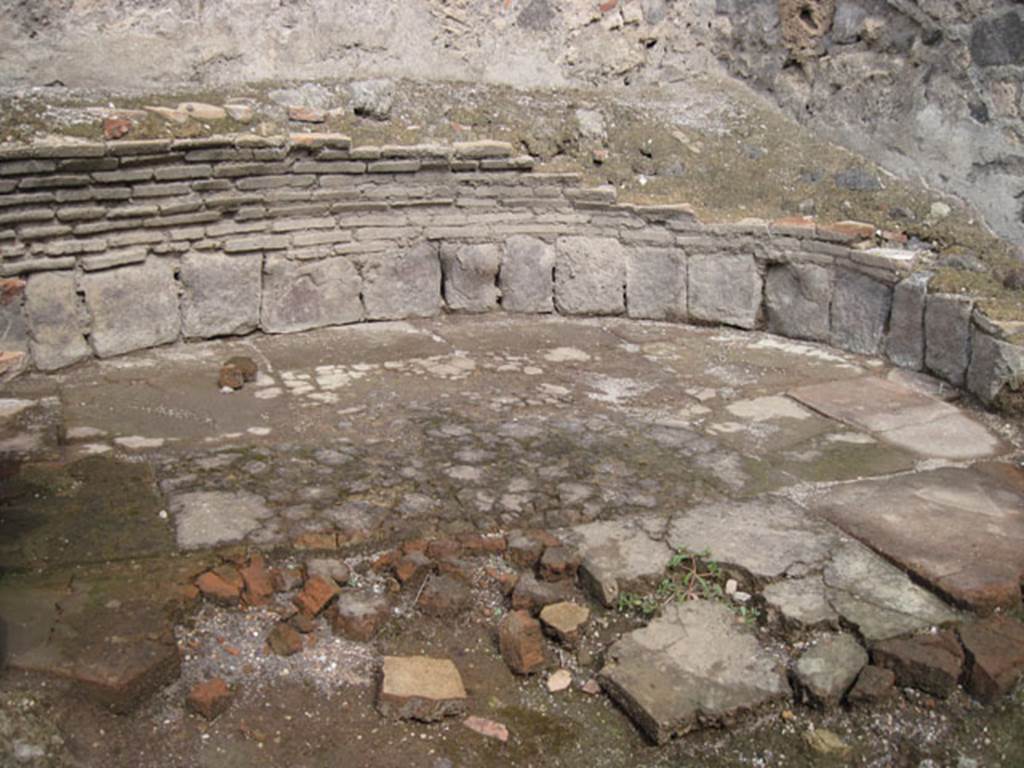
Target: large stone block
point(471, 277)
point(132, 307)
point(860, 312)
point(797, 300)
point(527, 277)
point(221, 294)
point(656, 284)
point(725, 288)
point(299, 295)
point(905, 343)
point(405, 284)
point(997, 368)
point(13, 329)
point(947, 333)
point(57, 320)
point(590, 276)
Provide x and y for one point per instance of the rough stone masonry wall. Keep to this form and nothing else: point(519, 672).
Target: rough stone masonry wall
point(110, 248)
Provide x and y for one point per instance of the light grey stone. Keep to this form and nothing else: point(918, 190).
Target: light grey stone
point(57, 320)
point(210, 518)
point(904, 344)
point(995, 365)
point(404, 284)
point(877, 598)
point(656, 284)
point(309, 294)
point(797, 301)
point(766, 537)
point(132, 307)
point(725, 288)
point(373, 98)
point(618, 555)
point(826, 671)
point(221, 294)
point(13, 328)
point(860, 311)
point(592, 125)
point(471, 277)
point(801, 603)
point(693, 666)
point(590, 276)
point(947, 332)
point(527, 277)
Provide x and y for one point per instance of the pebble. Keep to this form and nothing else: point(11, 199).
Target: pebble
point(559, 681)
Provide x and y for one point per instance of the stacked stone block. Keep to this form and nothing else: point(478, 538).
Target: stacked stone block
point(128, 245)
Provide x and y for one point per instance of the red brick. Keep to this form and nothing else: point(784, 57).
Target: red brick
point(258, 585)
point(215, 587)
point(521, 641)
point(315, 595)
point(210, 698)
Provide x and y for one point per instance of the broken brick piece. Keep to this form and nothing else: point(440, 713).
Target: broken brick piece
point(215, 587)
point(315, 595)
point(521, 642)
point(284, 640)
point(210, 698)
point(258, 585)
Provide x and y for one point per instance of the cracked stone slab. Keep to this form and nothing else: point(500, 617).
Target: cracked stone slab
point(902, 416)
point(211, 518)
point(878, 598)
point(693, 666)
point(961, 531)
point(618, 555)
point(767, 536)
point(802, 603)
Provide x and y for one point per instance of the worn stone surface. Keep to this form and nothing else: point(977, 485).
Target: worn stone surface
point(873, 684)
point(565, 621)
point(994, 650)
point(420, 688)
point(826, 671)
point(527, 272)
point(725, 289)
point(617, 555)
point(302, 295)
point(521, 642)
point(471, 277)
point(694, 665)
point(766, 537)
point(929, 663)
point(947, 328)
point(444, 597)
point(220, 294)
point(402, 284)
point(802, 603)
point(285, 640)
point(57, 320)
point(996, 367)
point(132, 307)
point(904, 344)
point(797, 300)
point(532, 595)
point(358, 615)
point(558, 563)
point(656, 284)
point(590, 276)
point(860, 312)
point(960, 531)
point(903, 416)
point(877, 598)
point(208, 518)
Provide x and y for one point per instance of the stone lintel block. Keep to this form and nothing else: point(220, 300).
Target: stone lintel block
point(860, 312)
point(403, 283)
point(57, 321)
point(656, 284)
point(527, 276)
point(797, 300)
point(725, 288)
point(471, 276)
point(590, 276)
point(947, 331)
point(220, 294)
point(300, 295)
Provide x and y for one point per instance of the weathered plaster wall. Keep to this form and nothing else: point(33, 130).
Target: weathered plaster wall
point(110, 248)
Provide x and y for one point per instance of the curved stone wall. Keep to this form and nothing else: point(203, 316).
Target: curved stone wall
point(110, 248)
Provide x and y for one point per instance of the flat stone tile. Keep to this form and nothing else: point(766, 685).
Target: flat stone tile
point(960, 531)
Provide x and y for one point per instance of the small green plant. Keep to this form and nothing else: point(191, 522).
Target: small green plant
point(691, 576)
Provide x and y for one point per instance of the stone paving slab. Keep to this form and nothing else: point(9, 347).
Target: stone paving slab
point(960, 531)
point(693, 664)
point(902, 415)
